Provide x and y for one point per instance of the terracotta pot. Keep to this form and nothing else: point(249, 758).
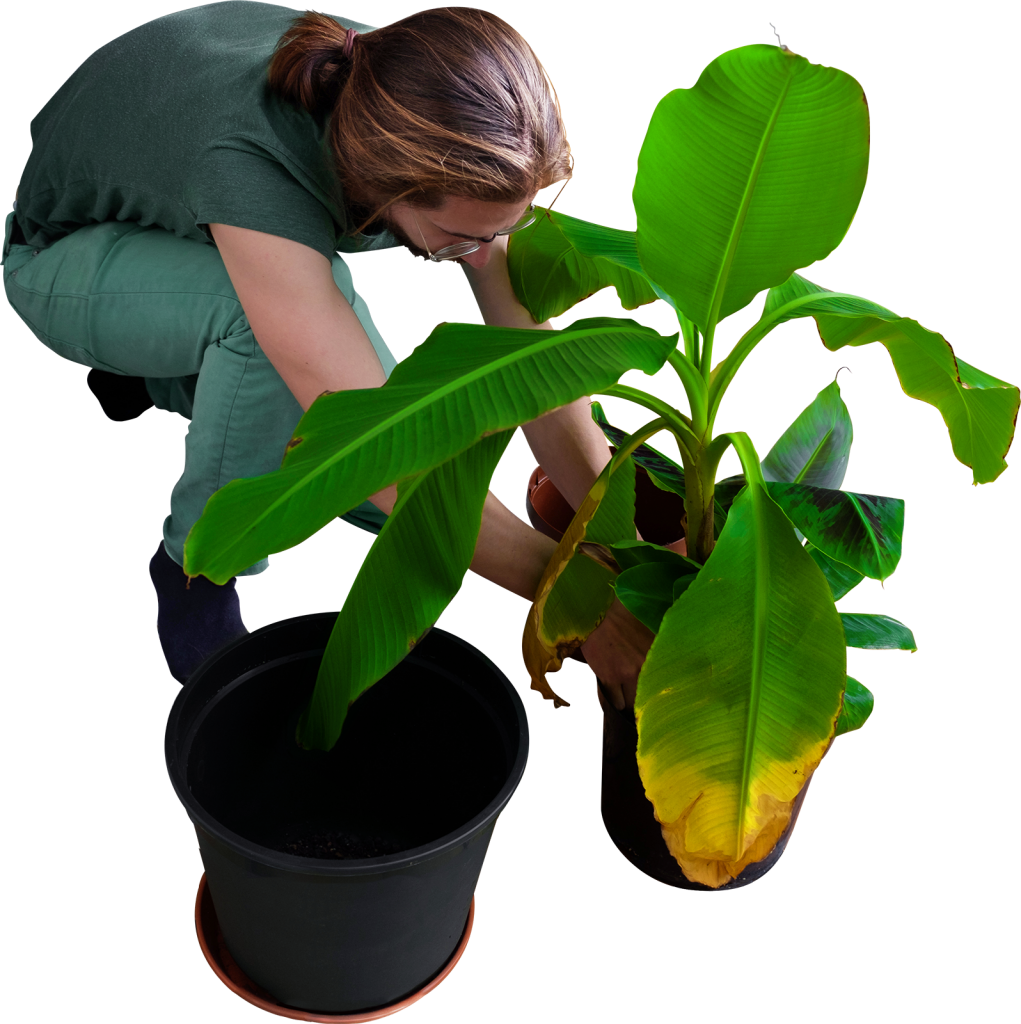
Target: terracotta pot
point(658, 514)
point(628, 815)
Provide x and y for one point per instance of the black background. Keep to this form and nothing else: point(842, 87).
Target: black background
point(899, 821)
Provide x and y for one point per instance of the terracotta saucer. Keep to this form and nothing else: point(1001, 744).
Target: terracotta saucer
point(216, 953)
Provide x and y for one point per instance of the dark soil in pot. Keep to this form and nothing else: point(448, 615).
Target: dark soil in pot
point(394, 781)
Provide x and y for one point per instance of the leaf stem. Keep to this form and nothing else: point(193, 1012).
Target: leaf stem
point(695, 388)
point(679, 424)
point(690, 333)
point(728, 368)
point(637, 439)
point(706, 364)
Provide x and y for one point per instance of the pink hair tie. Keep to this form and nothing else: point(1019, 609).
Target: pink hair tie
point(349, 41)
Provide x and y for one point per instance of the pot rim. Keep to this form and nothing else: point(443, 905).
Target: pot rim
point(293, 863)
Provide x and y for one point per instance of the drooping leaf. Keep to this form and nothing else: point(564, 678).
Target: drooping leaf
point(815, 447)
point(412, 571)
point(857, 707)
point(861, 530)
point(877, 633)
point(754, 172)
point(561, 260)
point(575, 591)
point(463, 383)
point(739, 694)
point(841, 578)
point(979, 410)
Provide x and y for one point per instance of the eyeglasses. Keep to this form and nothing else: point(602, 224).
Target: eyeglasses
point(469, 245)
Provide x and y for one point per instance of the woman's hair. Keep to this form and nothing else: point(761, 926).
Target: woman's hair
point(448, 102)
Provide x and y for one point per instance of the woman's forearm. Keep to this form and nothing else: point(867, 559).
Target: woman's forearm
point(570, 447)
point(509, 552)
point(566, 442)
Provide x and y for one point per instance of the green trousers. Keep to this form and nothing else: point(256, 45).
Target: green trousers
point(142, 302)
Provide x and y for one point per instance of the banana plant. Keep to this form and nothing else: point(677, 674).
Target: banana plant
point(744, 179)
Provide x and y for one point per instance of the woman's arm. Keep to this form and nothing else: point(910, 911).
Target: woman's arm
point(316, 343)
point(568, 445)
point(571, 449)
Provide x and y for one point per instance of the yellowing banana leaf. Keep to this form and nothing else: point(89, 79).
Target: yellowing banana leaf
point(574, 593)
point(463, 383)
point(412, 571)
point(856, 708)
point(877, 632)
point(561, 260)
point(740, 693)
point(979, 410)
point(754, 172)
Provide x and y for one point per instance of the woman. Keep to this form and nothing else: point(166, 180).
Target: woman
point(177, 229)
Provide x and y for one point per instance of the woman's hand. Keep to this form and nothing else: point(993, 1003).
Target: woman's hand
point(616, 651)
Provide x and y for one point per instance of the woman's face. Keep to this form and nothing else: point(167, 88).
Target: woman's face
point(456, 220)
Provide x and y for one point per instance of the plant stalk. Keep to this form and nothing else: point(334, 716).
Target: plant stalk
point(695, 388)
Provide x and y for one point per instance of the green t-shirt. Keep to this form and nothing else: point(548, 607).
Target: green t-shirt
point(174, 124)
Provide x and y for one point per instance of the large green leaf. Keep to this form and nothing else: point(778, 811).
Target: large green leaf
point(561, 260)
point(754, 172)
point(857, 707)
point(815, 447)
point(739, 694)
point(411, 573)
point(463, 383)
point(861, 530)
point(979, 410)
point(877, 632)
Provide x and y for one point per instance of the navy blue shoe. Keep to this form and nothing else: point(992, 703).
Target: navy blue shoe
point(122, 398)
point(195, 620)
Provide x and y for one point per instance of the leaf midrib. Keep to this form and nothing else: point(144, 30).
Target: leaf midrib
point(547, 341)
point(737, 227)
point(760, 634)
point(811, 459)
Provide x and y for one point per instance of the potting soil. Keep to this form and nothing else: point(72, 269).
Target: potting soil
point(419, 757)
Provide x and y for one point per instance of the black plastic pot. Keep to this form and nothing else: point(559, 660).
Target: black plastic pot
point(342, 882)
